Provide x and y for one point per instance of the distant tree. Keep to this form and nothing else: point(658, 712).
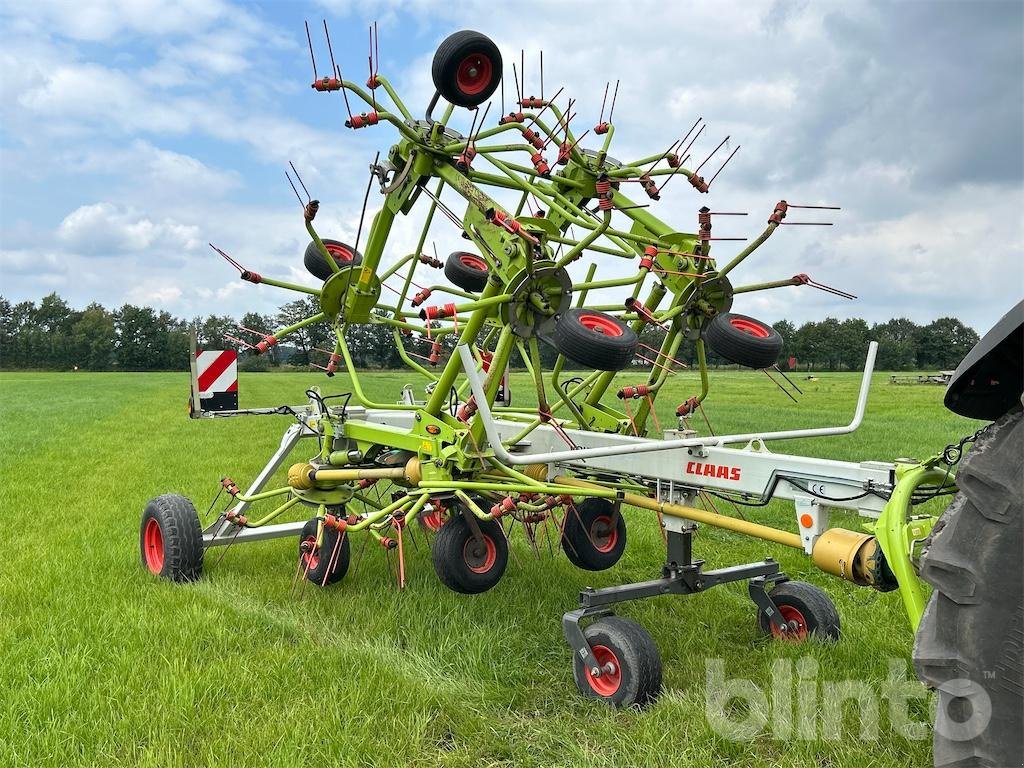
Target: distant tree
point(787, 331)
point(897, 344)
point(211, 332)
point(93, 338)
point(139, 339)
point(943, 343)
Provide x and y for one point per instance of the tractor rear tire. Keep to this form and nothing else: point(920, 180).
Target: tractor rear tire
point(466, 68)
point(968, 646)
point(634, 675)
point(314, 560)
point(343, 255)
point(743, 340)
point(589, 539)
point(465, 563)
point(595, 339)
point(171, 539)
point(467, 271)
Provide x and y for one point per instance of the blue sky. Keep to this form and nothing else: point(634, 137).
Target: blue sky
point(133, 133)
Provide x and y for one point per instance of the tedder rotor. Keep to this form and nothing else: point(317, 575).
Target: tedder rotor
point(465, 461)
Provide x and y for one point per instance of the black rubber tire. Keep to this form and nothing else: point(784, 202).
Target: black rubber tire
point(636, 657)
point(171, 539)
point(466, 68)
point(595, 339)
point(818, 616)
point(968, 645)
point(744, 340)
point(467, 271)
point(317, 572)
point(344, 256)
point(588, 539)
point(455, 550)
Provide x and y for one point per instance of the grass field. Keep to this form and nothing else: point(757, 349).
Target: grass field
point(103, 665)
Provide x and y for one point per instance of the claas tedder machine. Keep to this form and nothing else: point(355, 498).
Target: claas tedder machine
point(537, 197)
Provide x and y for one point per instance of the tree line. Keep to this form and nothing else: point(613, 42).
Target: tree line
point(51, 335)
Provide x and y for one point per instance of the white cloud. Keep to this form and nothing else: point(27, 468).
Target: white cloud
point(105, 229)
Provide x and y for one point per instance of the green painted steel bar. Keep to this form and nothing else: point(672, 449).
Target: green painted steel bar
point(394, 97)
point(738, 258)
point(320, 246)
point(396, 266)
point(554, 490)
point(263, 495)
point(891, 528)
point(357, 387)
point(764, 286)
point(573, 253)
point(439, 396)
point(404, 354)
point(274, 514)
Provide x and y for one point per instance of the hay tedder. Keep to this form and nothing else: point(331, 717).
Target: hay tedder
point(468, 465)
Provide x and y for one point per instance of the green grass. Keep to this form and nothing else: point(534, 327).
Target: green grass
point(103, 665)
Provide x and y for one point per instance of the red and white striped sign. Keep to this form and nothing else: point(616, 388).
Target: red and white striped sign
point(217, 375)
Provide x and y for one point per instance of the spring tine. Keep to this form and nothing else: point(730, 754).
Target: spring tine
point(301, 182)
point(603, 100)
point(615, 95)
point(791, 382)
point(724, 164)
point(542, 74)
point(522, 72)
point(376, 49)
point(227, 547)
point(777, 384)
point(817, 207)
point(515, 79)
point(366, 199)
point(722, 144)
point(297, 195)
point(664, 154)
point(227, 258)
point(369, 61)
point(401, 557)
point(344, 92)
point(213, 503)
point(359, 554)
point(330, 50)
point(309, 39)
point(332, 560)
point(686, 151)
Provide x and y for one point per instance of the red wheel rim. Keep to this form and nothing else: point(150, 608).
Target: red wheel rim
point(310, 557)
point(474, 74)
point(603, 534)
point(153, 546)
point(480, 554)
point(606, 326)
point(609, 681)
point(433, 521)
point(792, 617)
point(473, 262)
point(751, 327)
point(339, 252)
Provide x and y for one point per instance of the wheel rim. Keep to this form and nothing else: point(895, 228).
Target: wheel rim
point(474, 74)
point(473, 262)
point(339, 252)
point(433, 521)
point(480, 554)
point(600, 324)
point(153, 545)
point(795, 620)
point(610, 680)
point(310, 557)
point(750, 327)
point(603, 534)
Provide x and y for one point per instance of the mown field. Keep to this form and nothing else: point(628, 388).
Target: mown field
point(101, 664)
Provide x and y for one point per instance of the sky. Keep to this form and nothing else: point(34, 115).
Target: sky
point(133, 133)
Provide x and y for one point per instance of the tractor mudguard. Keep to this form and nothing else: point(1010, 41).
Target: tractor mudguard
point(989, 380)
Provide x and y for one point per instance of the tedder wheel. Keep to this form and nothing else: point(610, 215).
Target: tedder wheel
point(315, 561)
point(466, 68)
point(465, 563)
point(171, 539)
point(594, 536)
point(630, 663)
point(466, 270)
point(969, 643)
point(595, 339)
point(744, 340)
point(344, 256)
point(806, 609)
